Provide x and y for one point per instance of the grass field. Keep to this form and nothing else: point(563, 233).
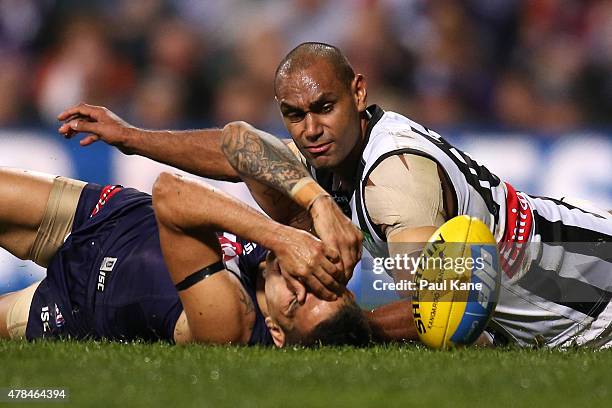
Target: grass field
point(145, 375)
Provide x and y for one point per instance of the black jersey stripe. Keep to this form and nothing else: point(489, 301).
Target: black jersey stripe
point(473, 172)
point(574, 239)
point(573, 293)
point(557, 231)
point(360, 204)
point(568, 206)
point(374, 112)
point(419, 132)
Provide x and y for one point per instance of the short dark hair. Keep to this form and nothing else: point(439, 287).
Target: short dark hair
point(347, 327)
point(306, 54)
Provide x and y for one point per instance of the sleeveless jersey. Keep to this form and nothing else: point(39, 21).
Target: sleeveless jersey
point(476, 191)
point(528, 312)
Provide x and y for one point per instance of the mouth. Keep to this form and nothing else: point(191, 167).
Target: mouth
point(319, 149)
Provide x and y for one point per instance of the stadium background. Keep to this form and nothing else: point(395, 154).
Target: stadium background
point(523, 86)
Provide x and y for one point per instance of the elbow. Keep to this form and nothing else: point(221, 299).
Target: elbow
point(234, 129)
point(232, 140)
point(166, 193)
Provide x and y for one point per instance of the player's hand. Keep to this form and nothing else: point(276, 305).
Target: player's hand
point(338, 232)
point(97, 123)
point(306, 262)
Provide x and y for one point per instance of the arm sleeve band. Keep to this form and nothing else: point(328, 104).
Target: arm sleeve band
point(202, 274)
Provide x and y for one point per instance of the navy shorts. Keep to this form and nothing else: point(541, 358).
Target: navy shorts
point(109, 279)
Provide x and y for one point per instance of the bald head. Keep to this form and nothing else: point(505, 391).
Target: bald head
point(309, 53)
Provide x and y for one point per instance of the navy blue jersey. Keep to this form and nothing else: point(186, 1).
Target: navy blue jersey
point(109, 280)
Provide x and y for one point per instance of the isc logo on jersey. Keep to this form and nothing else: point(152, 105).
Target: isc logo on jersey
point(457, 283)
point(108, 263)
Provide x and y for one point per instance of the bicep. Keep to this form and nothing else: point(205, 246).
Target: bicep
point(403, 196)
point(217, 310)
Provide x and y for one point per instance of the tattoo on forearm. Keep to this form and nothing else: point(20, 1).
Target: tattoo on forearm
point(264, 158)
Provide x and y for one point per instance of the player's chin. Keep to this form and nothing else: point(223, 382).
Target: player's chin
point(324, 161)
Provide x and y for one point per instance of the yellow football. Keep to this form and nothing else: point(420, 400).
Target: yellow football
point(457, 283)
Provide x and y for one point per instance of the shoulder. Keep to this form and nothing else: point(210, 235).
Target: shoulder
point(402, 170)
point(404, 191)
point(390, 133)
point(392, 123)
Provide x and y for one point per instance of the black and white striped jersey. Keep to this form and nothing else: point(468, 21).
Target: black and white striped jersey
point(528, 311)
point(476, 191)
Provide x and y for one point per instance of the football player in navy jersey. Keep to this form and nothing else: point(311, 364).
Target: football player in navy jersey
point(122, 265)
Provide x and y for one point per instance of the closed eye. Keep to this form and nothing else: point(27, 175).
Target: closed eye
point(293, 306)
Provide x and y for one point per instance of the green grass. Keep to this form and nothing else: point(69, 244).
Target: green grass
point(145, 375)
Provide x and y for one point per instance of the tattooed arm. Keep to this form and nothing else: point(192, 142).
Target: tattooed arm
point(256, 154)
point(262, 160)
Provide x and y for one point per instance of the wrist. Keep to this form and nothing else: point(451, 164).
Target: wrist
point(131, 139)
point(306, 192)
point(277, 239)
point(320, 204)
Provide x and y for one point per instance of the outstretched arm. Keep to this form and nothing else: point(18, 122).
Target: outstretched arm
point(195, 151)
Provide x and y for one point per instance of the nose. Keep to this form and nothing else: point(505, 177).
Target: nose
point(313, 129)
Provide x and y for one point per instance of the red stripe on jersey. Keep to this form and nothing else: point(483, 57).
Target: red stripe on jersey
point(107, 193)
point(519, 221)
point(231, 249)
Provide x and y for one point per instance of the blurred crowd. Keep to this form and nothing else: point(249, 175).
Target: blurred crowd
point(542, 65)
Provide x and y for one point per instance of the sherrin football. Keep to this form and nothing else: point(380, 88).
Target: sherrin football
point(457, 283)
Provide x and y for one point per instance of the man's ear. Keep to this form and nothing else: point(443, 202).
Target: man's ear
point(360, 92)
point(278, 335)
